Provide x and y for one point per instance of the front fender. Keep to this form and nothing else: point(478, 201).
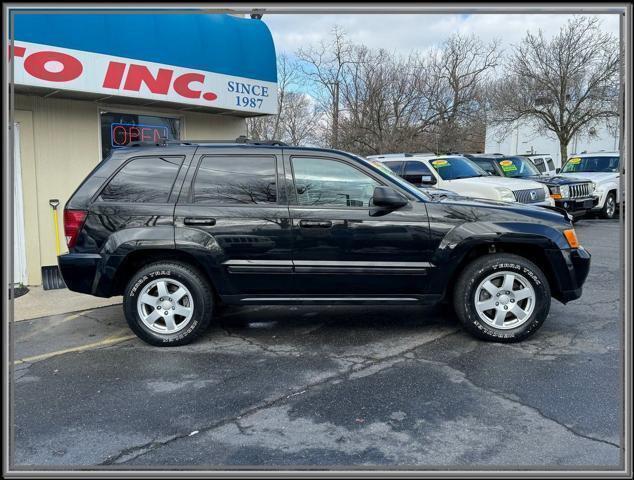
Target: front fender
point(607, 187)
point(458, 243)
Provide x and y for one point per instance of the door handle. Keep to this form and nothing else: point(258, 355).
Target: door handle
point(315, 223)
point(199, 221)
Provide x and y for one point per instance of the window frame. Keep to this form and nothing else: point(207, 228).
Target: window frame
point(294, 201)
point(95, 199)
point(192, 189)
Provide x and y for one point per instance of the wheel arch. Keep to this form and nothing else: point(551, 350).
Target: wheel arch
point(530, 251)
point(138, 259)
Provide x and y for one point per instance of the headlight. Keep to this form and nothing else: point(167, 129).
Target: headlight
point(592, 187)
point(506, 194)
point(564, 190)
point(546, 191)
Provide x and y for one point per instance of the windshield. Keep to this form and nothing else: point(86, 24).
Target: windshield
point(591, 164)
point(453, 168)
point(517, 167)
point(395, 178)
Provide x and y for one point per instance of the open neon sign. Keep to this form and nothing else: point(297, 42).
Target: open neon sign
point(122, 134)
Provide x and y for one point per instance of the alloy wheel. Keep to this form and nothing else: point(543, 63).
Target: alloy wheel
point(505, 300)
point(165, 306)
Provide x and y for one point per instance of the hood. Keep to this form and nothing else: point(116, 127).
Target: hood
point(508, 211)
point(494, 181)
point(559, 180)
point(596, 177)
point(437, 191)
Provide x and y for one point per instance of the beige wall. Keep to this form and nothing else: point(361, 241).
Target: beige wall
point(60, 144)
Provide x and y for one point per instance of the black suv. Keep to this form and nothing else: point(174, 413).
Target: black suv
point(179, 229)
point(576, 196)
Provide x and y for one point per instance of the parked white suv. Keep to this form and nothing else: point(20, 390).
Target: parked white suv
point(543, 163)
point(462, 176)
point(603, 168)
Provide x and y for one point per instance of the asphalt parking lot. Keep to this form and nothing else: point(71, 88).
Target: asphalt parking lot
point(329, 386)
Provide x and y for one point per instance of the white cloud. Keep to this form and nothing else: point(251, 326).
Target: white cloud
point(403, 33)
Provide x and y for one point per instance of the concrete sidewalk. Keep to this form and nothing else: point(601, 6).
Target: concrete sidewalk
point(41, 303)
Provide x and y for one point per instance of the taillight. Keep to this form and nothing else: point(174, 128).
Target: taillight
point(73, 221)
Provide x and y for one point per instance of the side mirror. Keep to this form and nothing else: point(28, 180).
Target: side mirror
point(427, 180)
point(557, 170)
point(387, 197)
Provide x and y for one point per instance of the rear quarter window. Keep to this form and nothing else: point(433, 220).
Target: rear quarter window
point(143, 180)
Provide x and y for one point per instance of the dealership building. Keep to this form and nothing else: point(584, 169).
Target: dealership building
point(85, 84)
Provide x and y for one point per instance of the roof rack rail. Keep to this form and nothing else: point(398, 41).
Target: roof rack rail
point(241, 139)
point(244, 139)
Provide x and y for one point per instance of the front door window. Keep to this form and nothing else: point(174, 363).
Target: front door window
point(331, 183)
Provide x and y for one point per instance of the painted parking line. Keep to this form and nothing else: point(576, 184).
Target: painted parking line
point(106, 341)
point(38, 331)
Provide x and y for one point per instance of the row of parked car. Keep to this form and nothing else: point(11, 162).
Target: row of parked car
point(586, 182)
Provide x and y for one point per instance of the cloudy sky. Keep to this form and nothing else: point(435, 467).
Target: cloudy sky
point(402, 33)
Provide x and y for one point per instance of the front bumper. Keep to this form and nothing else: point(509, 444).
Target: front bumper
point(577, 206)
point(570, 269)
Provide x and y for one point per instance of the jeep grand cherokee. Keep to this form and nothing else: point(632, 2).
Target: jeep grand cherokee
point(179, 229)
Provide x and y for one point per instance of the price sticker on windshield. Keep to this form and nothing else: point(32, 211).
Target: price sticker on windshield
point(574, 161)
point(440, 163)
point(508, 166)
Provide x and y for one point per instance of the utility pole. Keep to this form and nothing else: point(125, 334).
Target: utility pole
point(335, 114)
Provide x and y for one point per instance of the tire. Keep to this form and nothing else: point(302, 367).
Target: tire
point(188, 316)
point(495, 267)
point(609, 206)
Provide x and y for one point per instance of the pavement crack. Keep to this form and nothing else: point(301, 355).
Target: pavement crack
point(251, 342)
point(132, 453)
point(506, 397)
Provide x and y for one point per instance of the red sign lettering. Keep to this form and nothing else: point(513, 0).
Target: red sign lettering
point(114, 75)
point(36, 63)
point(138, 74)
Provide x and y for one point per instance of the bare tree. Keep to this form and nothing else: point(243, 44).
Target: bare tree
point(299, 119)
point(565, 85)
point(324, 66)
point(461, 67)
point(268, 127)
point(383, 101)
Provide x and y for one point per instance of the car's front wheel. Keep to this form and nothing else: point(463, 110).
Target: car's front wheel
point(168, 304)
point(609, 207)
point(502, 297)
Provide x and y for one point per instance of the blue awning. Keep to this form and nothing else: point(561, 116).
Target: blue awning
point(218, 43)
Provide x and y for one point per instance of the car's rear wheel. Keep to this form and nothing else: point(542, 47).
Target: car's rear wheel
point(609, 207)
point(168, 304)
point(502, 297)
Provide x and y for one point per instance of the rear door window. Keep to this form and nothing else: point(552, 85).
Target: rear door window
point(539, 163)
point(414, 171)
point(396, 167)
point(235, 180)
point(486, 165)
point(551, 164)
point(143, 180)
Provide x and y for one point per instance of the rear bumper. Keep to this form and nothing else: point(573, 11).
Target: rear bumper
point(570, 269)
point(577, 206)
point(79, 271)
